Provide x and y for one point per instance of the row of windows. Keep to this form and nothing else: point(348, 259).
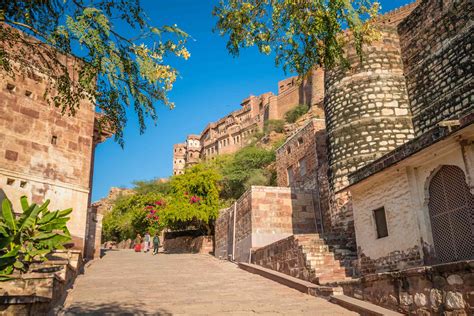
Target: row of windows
point(11, 182)
point(12, 89)
point(298, 143)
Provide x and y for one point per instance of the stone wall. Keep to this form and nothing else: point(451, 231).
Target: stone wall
point(446, 289)
point(264, 215)
point(366, 106)
point(436, 43)
point(189, 244)
point(44, 154)
point(299, 154)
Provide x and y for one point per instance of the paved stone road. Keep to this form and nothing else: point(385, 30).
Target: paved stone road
point(128, 283)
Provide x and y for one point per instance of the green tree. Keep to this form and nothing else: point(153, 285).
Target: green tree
point(246, 168)
point(194, 199)
point(151, 186)
point(129, 217)
point(302, 34)
point(120, 69)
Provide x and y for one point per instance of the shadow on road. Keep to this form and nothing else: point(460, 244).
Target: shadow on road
point(113, 308)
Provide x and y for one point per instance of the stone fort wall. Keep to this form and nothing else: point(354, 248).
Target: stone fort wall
point(234, 131)
point(436, 45)
point(44, 154)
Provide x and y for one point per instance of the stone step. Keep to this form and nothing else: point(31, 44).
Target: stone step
point(361, 307)
point(295, 283)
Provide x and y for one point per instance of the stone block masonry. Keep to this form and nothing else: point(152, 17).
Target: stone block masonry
point(436, 44)
point(367, 108)
point(44, 154)
point(264, 215)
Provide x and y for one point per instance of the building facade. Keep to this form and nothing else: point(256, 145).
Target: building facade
point(44, 154)
point(235, 131)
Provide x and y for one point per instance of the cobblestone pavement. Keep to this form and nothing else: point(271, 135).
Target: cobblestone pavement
point(128, 283)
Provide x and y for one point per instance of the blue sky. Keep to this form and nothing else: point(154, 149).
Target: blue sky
point(211, 84)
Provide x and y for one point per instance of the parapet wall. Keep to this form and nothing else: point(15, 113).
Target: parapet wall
point(264, 215)
point(436, 44)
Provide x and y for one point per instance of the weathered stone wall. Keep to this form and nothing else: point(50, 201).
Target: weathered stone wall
point(436, 43)
point(264, 215)
point(367, 109)
point(189, 244)
point(285, 256)
point(403, 190)
point(431, 290)
point(299, 154)
point(221, 233)
point(44, 154)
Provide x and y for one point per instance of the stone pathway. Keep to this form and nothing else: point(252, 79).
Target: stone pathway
point(128, 283)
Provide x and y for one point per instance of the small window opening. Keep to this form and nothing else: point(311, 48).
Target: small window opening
point(10, 87)
point(54, 140)
point(300, 141)
point(10, 181)
point(23, 184)
point(288, 150)
point(381, 222)
point(29, 94)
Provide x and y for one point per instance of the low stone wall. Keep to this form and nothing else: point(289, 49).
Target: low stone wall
point(39, 292)
point(185, 244)
point(446, 289)
point(284, 256)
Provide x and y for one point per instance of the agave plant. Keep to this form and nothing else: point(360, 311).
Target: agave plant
point(29, 237)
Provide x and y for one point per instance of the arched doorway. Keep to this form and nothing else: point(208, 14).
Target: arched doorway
point(451, 208)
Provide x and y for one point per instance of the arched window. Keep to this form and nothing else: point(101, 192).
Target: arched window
point(451, 209)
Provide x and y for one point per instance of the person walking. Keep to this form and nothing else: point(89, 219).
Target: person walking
point(138, 243)
point(156, 243)
point(146, 247)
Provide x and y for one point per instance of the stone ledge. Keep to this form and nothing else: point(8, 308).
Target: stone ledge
point(294, 283)
point(361, 307)
point(408, 149)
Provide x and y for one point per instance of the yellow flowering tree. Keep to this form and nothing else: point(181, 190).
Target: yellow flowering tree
point(125, 57)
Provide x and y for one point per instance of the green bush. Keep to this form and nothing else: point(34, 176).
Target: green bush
point(31, 236)
point(274, 126)
point(293, 115)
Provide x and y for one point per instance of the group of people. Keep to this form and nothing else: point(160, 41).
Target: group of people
point(146, 241)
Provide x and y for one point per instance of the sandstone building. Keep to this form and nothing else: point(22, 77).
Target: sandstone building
point(44, 154)
point(400, 156)
point(234, 131)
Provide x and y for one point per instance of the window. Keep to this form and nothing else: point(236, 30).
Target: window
point(300, 141)
point(28, 93)
point(302, 164)
point(23, 184)
point(54, 140)
point(288, 150)
point(10, 181)
point(289, 173)
point(10, 87)
point(381, 222)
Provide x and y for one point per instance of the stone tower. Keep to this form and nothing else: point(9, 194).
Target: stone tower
point(367, 108)
point(193, 149)
point(179, 158)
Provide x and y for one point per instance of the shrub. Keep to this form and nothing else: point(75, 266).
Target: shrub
point(294, 114)
point(31, 236)
point(274, 126)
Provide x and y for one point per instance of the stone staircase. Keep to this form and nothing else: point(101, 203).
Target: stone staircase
point(325, 260)
point(307, 257)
